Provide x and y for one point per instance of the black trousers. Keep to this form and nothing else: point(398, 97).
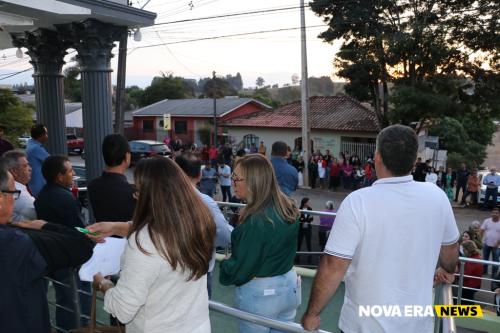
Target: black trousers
point(304, 233)
point(463, 187)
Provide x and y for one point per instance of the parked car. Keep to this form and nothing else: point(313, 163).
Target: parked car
point(482, 192)
point(75, 144)
point(23, 141)
point(146, 148)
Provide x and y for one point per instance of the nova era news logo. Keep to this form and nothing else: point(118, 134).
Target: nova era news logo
point(412, 311)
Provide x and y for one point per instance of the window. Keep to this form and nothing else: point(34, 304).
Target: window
point(250, 139)
point(181, 127)
point(147, 125)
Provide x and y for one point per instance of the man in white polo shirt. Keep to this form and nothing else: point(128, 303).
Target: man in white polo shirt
point(386, 243)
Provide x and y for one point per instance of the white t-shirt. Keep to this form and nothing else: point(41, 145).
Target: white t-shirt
point(491, 235)
point(392, 232)
point(225, 181)
point(24, 206)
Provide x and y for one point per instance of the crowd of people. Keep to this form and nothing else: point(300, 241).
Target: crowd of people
point(464, 183)
point(173, 226)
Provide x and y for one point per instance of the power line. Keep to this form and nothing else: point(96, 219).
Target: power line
point(231, 15)
point(226, 36)
point(16, 73)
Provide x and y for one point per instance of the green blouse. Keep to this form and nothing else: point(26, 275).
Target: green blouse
point(260, 248)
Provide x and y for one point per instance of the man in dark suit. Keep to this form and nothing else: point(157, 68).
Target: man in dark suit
point(56, 203)
point(26, 256)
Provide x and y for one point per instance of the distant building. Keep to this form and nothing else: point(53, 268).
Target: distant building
point(338, 123)
point(191, 119)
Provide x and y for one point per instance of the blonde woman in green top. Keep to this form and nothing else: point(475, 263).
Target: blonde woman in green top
point(263, 246)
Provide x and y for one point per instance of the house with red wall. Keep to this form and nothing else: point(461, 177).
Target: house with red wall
point(191, 120)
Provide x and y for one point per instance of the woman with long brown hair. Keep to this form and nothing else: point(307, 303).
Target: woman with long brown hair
point(162, 286)
point(264, 245)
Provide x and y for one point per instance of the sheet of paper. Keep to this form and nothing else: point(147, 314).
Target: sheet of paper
point(106, 259)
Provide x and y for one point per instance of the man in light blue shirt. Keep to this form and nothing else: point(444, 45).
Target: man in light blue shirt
point(492, 181)
point(36, 155)
point(191, 166)
point(287, 175)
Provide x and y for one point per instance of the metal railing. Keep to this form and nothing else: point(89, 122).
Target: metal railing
point(443, 295)
point(461, 275)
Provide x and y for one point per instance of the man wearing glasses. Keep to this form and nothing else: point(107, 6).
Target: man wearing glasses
point(16, 162)
point(26, 256)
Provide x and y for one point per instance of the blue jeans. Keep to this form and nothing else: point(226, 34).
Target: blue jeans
point(495, 254)
point(490, 192)
point(276, 297)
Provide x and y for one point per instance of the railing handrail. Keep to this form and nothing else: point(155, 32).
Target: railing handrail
point(303, 211)
point(479, 261)
point(260, 320)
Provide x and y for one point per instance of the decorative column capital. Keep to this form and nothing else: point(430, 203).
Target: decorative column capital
point(46, 49)
point(93, 41)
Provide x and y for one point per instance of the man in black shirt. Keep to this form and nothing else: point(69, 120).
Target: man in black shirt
point(25, 257)
point(111, 196)
point(56, 203)
point(462, 177)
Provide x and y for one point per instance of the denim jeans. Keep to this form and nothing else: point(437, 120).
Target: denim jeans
point(490, 192)
point(495, 254)
point(276, 297)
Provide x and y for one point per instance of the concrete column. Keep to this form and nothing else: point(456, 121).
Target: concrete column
point(93, 41)
point(47, 50)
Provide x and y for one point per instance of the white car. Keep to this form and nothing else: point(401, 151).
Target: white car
point(482, 192)
point(23, 141)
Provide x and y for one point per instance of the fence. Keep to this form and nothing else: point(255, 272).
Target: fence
point(362, 149)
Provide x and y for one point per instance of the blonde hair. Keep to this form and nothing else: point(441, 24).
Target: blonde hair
point(470, 247)
point(263, 190)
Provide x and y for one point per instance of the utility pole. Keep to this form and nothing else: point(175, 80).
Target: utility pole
point(304, 96)
point(120, 83)
point(214, 90)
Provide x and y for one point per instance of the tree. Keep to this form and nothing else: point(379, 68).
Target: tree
point(408, 42)
point(320, 86)
point(133, 97)
point(166, 87)
point(72, 86)
point(16, 116)
point(222, 88)
point(236, 82)
point(260, 81)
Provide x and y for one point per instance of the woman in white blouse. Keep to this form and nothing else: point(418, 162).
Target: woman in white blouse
point(162, 285)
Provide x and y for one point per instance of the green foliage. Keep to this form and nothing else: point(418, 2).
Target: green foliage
point(72, 86)
point(260, 82)
point(166, 87)
point(219, 87)
point(263, 95)
point(16, 116)
point(459, 138)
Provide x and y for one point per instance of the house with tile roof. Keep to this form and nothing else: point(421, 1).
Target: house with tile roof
point(189, 118)
point(338, 123)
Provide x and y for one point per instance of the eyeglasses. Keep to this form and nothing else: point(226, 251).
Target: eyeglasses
point(15, 194)
point(235, 178)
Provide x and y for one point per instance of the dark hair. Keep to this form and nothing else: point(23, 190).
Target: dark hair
point(53, 166)
point(11, 158)
point(189, 163)
point(4, 177)
point(114, 149)
point(182, 233)
point(398, 145)
point(38, 130)
point(303, 202)
point(279, 148)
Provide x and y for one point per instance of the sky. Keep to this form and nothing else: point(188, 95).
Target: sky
point(274, 56)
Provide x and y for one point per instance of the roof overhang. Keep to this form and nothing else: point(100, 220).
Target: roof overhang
point(19, 16)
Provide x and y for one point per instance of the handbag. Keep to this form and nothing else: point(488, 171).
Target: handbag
point(94, 328)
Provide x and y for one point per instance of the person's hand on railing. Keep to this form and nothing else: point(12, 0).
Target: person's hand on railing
point(442, 276)
point(310, 322)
